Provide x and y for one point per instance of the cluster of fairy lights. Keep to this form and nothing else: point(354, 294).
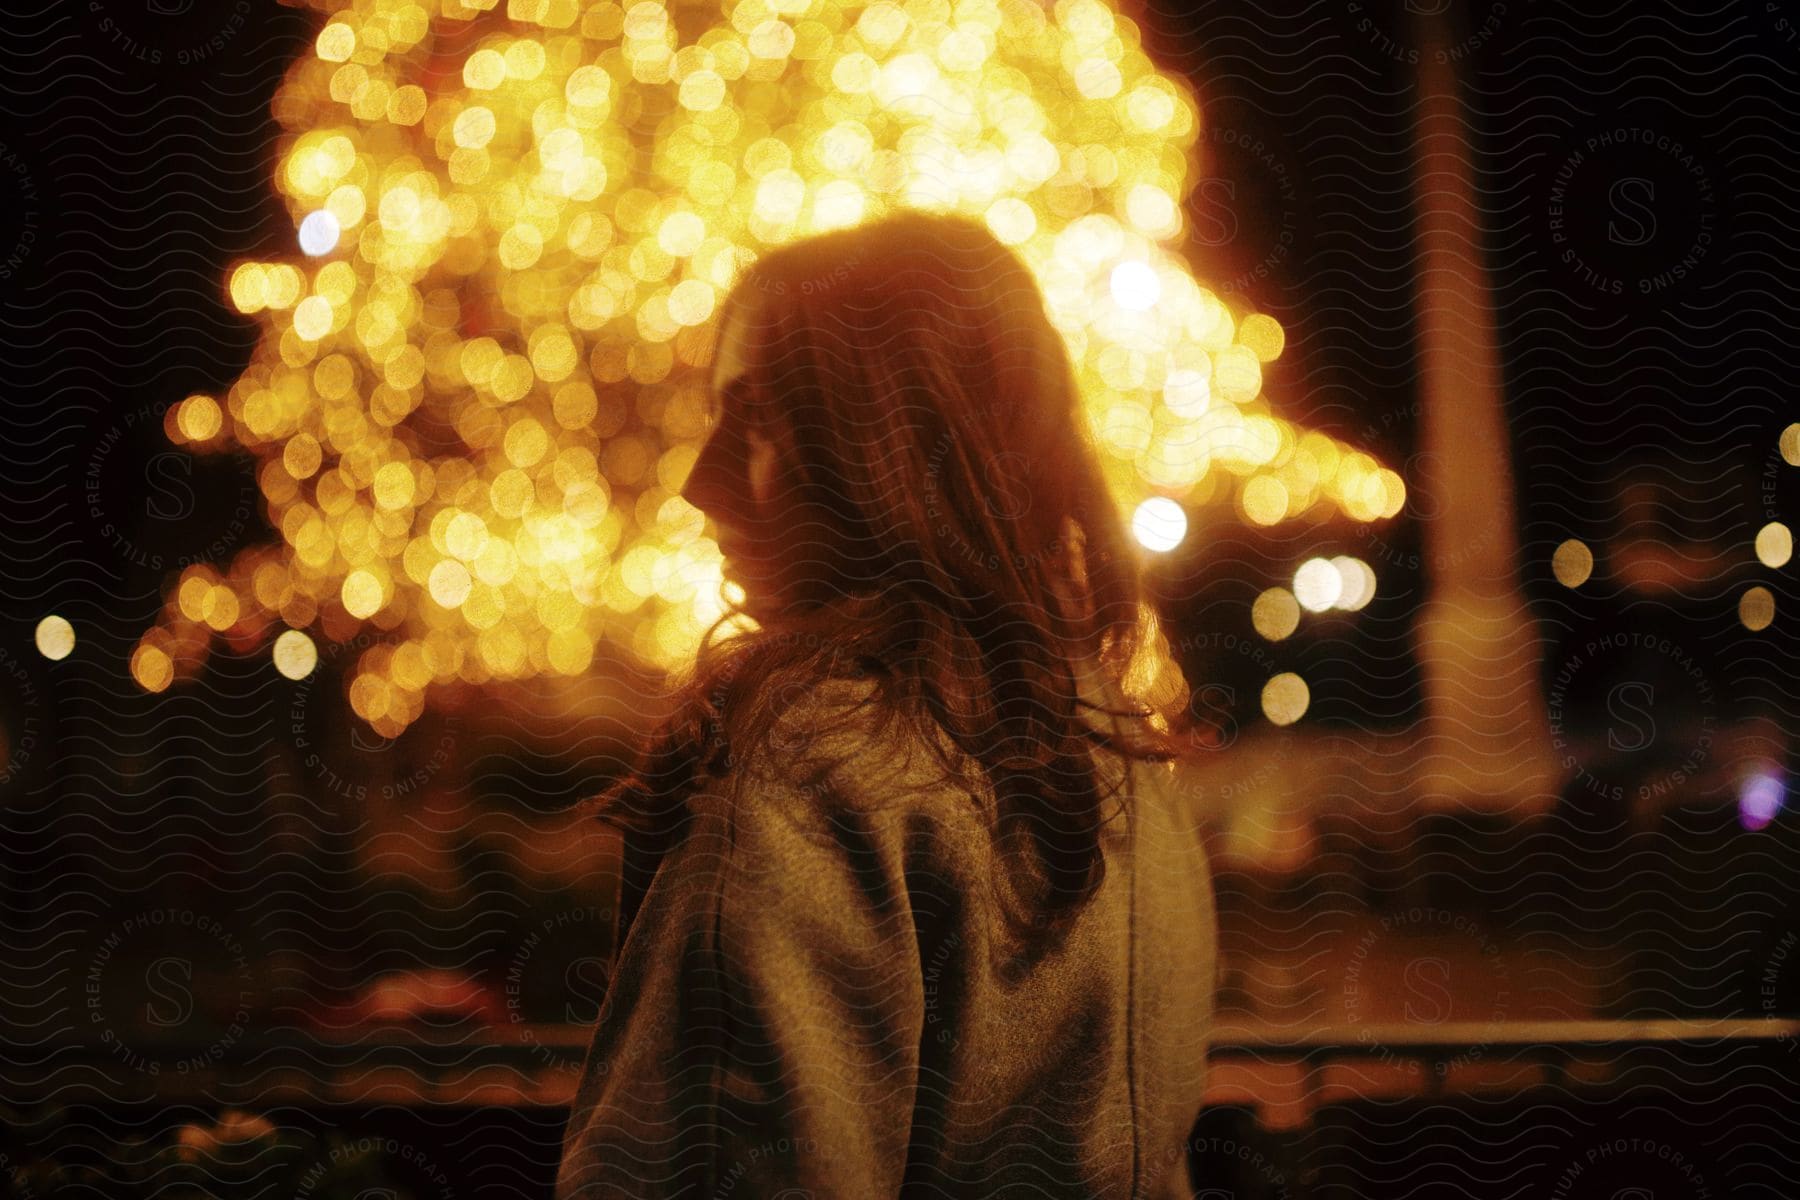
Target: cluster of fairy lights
point(478, 389)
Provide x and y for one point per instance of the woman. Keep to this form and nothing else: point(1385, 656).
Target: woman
point(906, 905)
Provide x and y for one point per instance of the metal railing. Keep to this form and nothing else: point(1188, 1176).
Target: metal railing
point(1285, 1072)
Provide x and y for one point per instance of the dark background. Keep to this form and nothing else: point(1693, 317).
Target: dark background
point(136, 151)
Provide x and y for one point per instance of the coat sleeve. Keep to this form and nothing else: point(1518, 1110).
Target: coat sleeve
point(761, 1030)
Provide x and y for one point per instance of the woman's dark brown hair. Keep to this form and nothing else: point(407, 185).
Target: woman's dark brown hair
point(968, 555)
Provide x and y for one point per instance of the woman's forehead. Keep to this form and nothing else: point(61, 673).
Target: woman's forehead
point(731, 348)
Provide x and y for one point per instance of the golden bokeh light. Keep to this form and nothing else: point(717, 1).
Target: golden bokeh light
point(294, 654)
point(1285, 698)
point(1265, 500)
point(1790, 445)
point(1774, 544)
point(1572, 563)
point(1276, 614)
point(477, 391)
point(152, 668)
point(55, 638)
point(199, 418)
point(1756, 608)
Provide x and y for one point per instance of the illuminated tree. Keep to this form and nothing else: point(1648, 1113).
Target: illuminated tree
point(476, 395)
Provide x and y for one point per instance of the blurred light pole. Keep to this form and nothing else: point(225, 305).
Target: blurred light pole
point(1486, 735)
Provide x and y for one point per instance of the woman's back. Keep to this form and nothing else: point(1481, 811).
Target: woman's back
point(818, 992)
point(853, 974)
point(1076, 1069)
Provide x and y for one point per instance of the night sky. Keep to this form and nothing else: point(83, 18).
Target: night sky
point(138, 152)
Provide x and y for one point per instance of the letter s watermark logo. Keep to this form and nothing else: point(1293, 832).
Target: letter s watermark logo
point(1428, 473)
point(1215, 221)
point(1632, 198)
point(1214, 705)
point(584, 981)
point(1625, 704)
point(1008, 495)
point(1428, 991)
point(169, 491)
point(169, 980)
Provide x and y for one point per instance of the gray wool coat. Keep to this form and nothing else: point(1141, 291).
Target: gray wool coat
point(816, 997)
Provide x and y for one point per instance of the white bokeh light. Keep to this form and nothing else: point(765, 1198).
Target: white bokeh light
point(1159, 524)
point(295, 655)
point(1135, 285)
point(1317, 585)
point(1357, 582)
point(1187, 392)
point(319, 232)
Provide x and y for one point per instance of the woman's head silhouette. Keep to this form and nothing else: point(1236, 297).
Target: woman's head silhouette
point(900, 475)
point(893, 411)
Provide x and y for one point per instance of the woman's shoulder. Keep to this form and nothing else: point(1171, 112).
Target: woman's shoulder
point(845, 747)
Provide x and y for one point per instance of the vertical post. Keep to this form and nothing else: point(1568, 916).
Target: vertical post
point(1486, 733)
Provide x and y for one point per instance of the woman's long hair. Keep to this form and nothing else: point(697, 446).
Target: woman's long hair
point(969, 556)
